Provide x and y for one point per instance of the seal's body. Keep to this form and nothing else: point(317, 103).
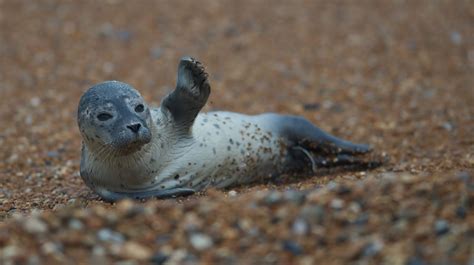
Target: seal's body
point(132, 150)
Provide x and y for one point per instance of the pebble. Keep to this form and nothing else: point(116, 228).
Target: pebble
point(200, 241)
point(448, 126)
point(313, 213)
point(311, 106)
point(461, 212)
point(159, 258)
point(294, 196)
point(300, 227)
point(232, 193)
point(337, 204)
point(415, 261)
point(272, 198)
point(156, 52)
point(373, 248)
point(134, 250)
point(441, 227)
point(35, 226)
point(456, 37)
point(11, 251)
point(361, 219)
point(106, 234)
point(75, 224)
point(292, 247)
point(53, 154)
point(343, 190)
point(332, 185)
point(51, 248)
point(35, 101)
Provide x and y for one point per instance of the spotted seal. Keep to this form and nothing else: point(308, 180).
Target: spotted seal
point(133, 150)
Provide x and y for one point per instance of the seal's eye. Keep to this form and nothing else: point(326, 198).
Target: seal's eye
point(139, 108)
point(104, 116)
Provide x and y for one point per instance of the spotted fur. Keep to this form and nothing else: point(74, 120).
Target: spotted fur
point(187, 151)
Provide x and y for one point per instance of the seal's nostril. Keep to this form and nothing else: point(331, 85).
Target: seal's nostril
point(134, 127)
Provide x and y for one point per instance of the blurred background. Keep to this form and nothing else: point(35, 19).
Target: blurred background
point(395, 74)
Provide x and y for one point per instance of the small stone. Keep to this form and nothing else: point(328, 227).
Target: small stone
point(300, 227)
point(156, 52)
point(106, 234)
point(135, 210)
point(232, 193)
point(415, 261)
point(34, 225)
point(456, 37)
point(313, 213)
point(464, 176)
point(292, 247)
point(159, 258)
point(311, 106)
point(332, 185)
point(441, 227)
point(294, 196)
point(53, 154)
point(133, 250)
point(35, 102)
point(461, 212)
point(11, 251)
point(201, 241)
point(361, 219)
point(448, 126)
point(373, 248)
point(272, 198)
point(51, 248)
point(343, 190)
point(75, 224)
point(337, 204)
point(124, 35)
point(163, 239)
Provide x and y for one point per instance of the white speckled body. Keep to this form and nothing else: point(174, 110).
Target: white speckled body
point(222, 149)
point(133, 151)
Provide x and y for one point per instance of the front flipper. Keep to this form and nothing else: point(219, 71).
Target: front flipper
point(191, 93)
point(112, 196)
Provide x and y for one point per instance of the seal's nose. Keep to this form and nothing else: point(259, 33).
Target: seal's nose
point(134, 127)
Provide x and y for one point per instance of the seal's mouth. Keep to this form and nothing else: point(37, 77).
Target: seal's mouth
point(131, 143)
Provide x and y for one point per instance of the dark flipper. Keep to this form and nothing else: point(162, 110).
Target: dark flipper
point(317, 161)
point(111, 196)
point(303, 133)
point(191, 93)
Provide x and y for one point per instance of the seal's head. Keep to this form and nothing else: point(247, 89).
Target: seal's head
point(113, 116)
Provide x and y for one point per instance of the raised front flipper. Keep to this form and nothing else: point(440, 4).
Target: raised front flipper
point(191, 93)
point(112, 196)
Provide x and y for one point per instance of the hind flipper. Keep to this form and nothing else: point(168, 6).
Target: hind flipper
point(112, 196)
point(301, 132)
point(317, 161)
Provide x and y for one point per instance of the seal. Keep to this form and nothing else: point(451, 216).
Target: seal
point(132, 150)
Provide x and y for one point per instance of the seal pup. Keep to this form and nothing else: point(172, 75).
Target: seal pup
point(131, 150)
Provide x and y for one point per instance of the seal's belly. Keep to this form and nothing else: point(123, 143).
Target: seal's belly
point(228, 149)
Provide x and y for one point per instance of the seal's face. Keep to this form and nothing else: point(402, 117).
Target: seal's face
point(113, 116)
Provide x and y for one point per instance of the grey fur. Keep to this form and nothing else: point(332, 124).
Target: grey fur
point(173, 151)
